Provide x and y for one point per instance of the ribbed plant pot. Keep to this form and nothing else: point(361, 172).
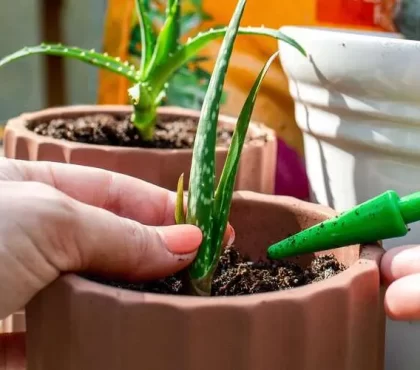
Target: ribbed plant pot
point(336, 324)
point(158, 166)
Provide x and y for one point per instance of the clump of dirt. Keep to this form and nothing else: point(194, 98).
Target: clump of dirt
point(237, 275)
point(117, 130)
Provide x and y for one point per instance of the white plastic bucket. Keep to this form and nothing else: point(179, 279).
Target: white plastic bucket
point(358, 104)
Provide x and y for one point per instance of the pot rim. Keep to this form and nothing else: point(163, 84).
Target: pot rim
point(368, 261)
point(343, 35)
point(18, 125)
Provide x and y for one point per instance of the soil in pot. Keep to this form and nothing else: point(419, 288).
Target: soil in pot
point(237, 275)
point(172, 132)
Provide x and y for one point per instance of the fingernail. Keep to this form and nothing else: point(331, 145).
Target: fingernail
point(181, 239)
point(231, 237)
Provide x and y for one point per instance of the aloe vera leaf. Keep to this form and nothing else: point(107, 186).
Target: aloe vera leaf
point(224, 191)
point(202, 178)
point(167, 40)
point(88, 56)
point(179, 206)
point(161, 74)
point(173, 42)
point(148, 38)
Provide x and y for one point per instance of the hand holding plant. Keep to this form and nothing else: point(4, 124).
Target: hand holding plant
point(63, 218)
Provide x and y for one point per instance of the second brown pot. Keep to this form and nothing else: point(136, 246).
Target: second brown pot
point(158, 166)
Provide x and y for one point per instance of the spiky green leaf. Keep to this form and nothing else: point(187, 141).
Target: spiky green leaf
point(148, 38)
point(161, 74)
point(224, 192)
point(179, 207)
point(87, 56)
point(175, 32)
point(167, 40)
point(202, 177)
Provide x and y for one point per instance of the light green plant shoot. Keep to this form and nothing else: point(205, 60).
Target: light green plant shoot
point(162, 55)
point(179, 209)
point(209, 208)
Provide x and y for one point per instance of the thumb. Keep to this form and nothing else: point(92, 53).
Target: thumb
point(114, 246)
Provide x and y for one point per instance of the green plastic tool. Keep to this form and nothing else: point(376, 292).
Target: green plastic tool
point(383, 217)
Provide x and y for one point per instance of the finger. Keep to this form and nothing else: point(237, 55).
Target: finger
point(126, 196)
point(104, 243)
point(12, 351)
point(399, 262)
point(402, 298)
point(120, 194)
point(229, 237)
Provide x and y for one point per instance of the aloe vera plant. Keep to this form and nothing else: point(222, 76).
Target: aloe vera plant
point(162, 56)
point(208, 208)
point(188, 86)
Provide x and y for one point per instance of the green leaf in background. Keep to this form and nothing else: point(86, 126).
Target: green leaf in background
point(178, 90)
point(88, 56)
point(147, 36)
point(167, 40)
point(188, 86)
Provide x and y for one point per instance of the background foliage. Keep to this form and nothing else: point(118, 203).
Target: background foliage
point(187, 87)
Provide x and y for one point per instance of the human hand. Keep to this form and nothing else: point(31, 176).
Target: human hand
point(61, 218)
point(400, 269)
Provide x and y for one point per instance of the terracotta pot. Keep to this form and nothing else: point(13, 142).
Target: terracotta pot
point(76, 324)
point(159, 166)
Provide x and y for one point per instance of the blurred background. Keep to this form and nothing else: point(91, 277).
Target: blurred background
point(37, 82)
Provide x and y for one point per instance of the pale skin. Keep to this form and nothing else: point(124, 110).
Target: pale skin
point(57, 218)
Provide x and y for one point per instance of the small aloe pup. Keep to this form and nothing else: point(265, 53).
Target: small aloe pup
point(162, 55)
point(209, 208)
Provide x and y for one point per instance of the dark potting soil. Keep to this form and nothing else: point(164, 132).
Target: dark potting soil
point(117, 130)
point(237, 275)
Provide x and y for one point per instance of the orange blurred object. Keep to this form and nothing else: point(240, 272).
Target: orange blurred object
point(350, 12)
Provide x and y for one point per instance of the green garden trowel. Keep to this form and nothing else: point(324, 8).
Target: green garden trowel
point(383, 217)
